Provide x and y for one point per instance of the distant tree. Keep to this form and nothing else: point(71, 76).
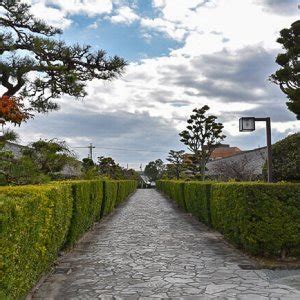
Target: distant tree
point(50, 156)
point(87, 163)
point(176, 158)
point(288, 76)
point(37, 67)
point(202, 135)
point(286, 159)
point(17, 171)
point(154, 169)
point(130, 174)
point(108, 167)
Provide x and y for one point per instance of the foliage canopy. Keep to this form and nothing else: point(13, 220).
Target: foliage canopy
point(288, 76)
point(37, 67)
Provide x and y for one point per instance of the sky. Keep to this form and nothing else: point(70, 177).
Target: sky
point(181, 54)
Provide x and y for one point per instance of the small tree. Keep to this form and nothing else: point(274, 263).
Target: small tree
point(50, 156)
point(286, 159)
point(17, 171)
point(87, 163)
point(176, 158)
point(36, 67)
point(108, 167)
point(154, 169)
point(202, 135)
point(288, 76)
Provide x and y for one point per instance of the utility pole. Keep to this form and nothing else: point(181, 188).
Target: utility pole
point(91, 147)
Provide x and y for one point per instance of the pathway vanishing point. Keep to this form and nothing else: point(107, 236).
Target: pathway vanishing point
point(148, 248)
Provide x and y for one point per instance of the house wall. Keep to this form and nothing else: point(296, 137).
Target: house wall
point(256, 159)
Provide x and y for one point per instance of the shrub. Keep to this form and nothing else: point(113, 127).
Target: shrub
point(34, 223)
point(37, 221)
point(197, 199)
point(87, 201)
point(262, 218)
point(125, 188)
point(286, 159)
point(110, 197)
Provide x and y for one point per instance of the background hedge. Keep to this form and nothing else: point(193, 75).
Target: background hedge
point(87, 202)
point(110, 197)
point(37, 221)
point(262, 218)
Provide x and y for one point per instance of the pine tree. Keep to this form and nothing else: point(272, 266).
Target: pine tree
point(36, 66)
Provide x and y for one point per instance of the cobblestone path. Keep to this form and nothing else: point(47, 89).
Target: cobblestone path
point(148, 248)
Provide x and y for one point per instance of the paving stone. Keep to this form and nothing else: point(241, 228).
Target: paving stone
point(150, 249)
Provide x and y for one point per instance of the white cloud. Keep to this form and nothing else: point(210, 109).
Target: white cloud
point(88, 7)
point(191, 21)
point(94, 25)
point(171, 29)
point(124, 15)
point(58, 12)
point(53, 16)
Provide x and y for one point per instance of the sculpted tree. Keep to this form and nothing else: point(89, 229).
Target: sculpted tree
point(176, 158)
point(37, 67)
point(288, 76)
point(202, 135)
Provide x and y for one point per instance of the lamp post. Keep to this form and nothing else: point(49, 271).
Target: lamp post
point(248, 124)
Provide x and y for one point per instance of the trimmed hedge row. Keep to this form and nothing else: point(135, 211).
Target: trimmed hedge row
point(37, 221)
point(262, 218)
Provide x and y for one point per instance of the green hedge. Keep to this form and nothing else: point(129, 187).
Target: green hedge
point(263, 219)
point(110, 197)
point(34, 223)
point(87, 202)
point(125, 188)
point(198, 203)
point(37, 221)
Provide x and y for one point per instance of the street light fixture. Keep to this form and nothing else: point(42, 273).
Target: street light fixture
point(248, 124)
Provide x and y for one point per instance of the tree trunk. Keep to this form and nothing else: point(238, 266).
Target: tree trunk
point(202, 170)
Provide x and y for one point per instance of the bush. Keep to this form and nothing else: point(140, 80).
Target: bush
point(286, 159)
point(87, 202)
point(197, 198)
point(125, 188)
point(37, 221)
point(34, 224)
point(110, 197)
point(263, 219)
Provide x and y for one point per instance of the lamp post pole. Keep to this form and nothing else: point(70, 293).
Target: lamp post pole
point(248, 124)
point(269, 147)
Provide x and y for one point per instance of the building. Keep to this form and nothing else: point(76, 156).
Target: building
point(221, 151)
point(224, 150)
point(248, 163)
point(16, 149)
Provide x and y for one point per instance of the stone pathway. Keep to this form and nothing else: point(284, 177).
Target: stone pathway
point(149, 248)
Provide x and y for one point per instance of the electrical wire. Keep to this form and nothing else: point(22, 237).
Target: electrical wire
point(125, 149)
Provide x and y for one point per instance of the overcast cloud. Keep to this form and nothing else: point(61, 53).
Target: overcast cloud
point(184, 54)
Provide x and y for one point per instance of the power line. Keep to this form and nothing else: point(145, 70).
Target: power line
point(124, 149)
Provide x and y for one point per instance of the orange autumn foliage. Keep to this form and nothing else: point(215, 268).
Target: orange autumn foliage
point(12, 110)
